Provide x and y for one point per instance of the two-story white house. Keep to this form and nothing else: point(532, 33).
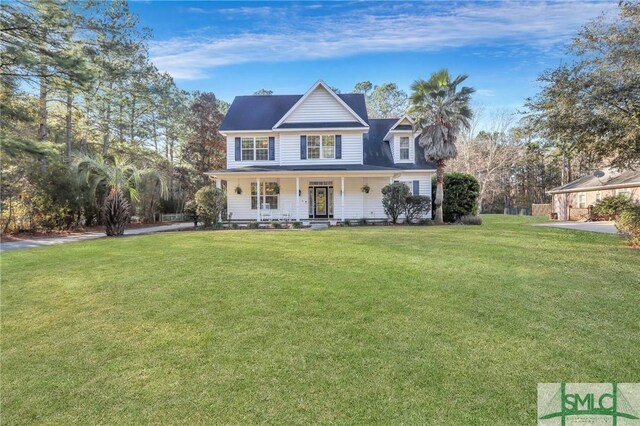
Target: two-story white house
point(315, 156)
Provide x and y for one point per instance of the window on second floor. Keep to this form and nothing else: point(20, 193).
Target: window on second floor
point(404, 148)
point(321, 147)
point(255, 149)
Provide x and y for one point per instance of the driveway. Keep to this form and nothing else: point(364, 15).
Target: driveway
point(602, 227)
point(39, 242)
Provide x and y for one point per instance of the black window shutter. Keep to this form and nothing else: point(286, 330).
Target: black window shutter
point(416, 187)
point(338, 147)
point(303, 147)
point(238, 152)
point(272, 148)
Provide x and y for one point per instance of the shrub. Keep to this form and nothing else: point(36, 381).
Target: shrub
point(210, 202)
point(628, 224)
point(234, 226)
point(612, 206)
point(394, 199)
point(425, 222)
point(254, 225)
point(362, 222)
point(461, 192)
point(415, 207)
point(346, 222)
point(471, 220)
point(297, 225)
point(190, 209)
point(276, 225)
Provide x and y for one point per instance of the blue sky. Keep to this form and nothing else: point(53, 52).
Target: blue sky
point(236, 48)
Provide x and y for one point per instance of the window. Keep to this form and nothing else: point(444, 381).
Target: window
point(313, 147)
point(255, 149)
point(321, 147)
point(328, 146)
point(247, 149)
point(624, 192)
point(268, 195)
point(404, 148)
point(582, 200)
point(262, 149)
point(598, 196)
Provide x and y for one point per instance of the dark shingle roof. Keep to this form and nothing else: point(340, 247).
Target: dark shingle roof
point(262, 112)
point(610, 178)
point(378, 152)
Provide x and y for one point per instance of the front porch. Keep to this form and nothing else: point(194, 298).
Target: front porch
point(320, 197)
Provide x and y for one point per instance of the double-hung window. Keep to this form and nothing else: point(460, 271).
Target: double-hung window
point(255, 149)
point(404, 148)
point(321, 147)
point(582, 200)
point(268, 196)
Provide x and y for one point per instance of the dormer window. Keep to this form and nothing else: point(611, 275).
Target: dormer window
point(404, 148)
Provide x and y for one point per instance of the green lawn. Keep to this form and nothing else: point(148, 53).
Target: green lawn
point(419, 325)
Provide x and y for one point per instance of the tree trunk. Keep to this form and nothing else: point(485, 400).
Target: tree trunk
point(68, 123)
point(155, 130)
point(42, 108)
point(439, 190)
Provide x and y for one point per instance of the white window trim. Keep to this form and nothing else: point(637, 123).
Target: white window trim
point(408, 148)
point(321, 146)
point(255, 150)
point(396, 141)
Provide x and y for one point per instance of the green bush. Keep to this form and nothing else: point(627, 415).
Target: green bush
point(254, 225)
point(346, 222)
point(425, 222)
point(276, 225)
point(612, 206)
point(210, 202)
point(628, 224)
point(362, 222)
point(234, 226)
point(415, 207)
point(471, 220)
point(297, 225)
point(461, 192)
point(394, 200)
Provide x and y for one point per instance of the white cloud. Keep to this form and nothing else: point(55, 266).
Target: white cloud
point(541, 26)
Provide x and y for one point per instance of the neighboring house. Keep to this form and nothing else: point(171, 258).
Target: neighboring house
point(312, 156)
point(572, 201)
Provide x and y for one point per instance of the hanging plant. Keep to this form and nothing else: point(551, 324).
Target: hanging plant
point(276, 189)
point(238, 190)
point(365, 189)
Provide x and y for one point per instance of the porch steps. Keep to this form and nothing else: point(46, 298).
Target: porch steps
point(319, 225)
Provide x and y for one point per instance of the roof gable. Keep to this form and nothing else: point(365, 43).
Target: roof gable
point(321, 104)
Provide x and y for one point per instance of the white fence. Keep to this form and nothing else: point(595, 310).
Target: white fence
point(174, 217)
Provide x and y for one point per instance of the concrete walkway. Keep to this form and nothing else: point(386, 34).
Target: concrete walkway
point(602, 227)
point(49, 241)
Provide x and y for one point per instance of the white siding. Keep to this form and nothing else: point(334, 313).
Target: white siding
point(231, 151)
point(320, 106)
point(290, 148)
point(424, 185)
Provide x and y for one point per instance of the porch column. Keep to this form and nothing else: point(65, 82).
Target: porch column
point(258, 198)
point(219, 186)
point(298, 199)
point(342, 196)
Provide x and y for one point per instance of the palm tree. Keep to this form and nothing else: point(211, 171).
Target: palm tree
point(119, 178)
point(440, 112)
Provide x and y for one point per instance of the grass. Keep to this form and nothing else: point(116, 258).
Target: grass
point(419, 325)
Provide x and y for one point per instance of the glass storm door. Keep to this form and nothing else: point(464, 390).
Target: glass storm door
point(321, 208)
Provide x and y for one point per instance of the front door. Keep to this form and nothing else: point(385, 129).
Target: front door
point(320, 201)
